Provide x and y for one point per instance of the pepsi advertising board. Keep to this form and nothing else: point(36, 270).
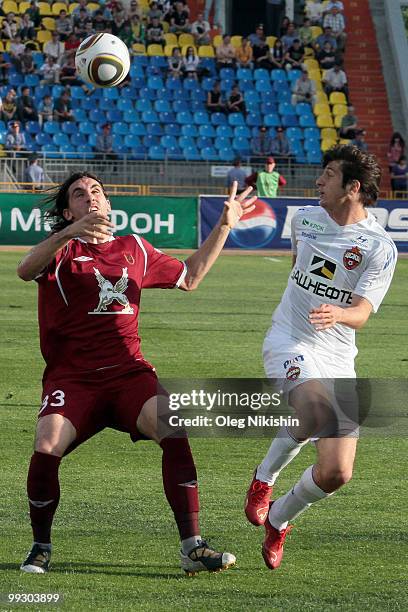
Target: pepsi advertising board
point(268, 225)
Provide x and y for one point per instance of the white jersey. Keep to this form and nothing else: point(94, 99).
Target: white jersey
point(333, 263)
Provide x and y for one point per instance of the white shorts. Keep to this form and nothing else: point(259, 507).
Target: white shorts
point(289, 363)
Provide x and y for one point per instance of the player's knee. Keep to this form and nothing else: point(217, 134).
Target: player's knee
point(48, 447)
point(333, 478)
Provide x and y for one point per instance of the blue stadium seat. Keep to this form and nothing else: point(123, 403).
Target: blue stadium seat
point(312, 133)
point(294, 133)
point(226, 155)
point(284, 95)
point(51, 127)
point(235, 119)
point(252, 106)
point(61, 139)
point(56, 91)
point(155, 82)
point(43, 139)
point(138, 129)
point(222, 142)
point(69, 127)
point(151, 141)
point(314, 157)
point(172, 83)
point(207, 83)
point(162, 106)
point(111, 93)
point(138, 83)
point(168, 141)
point(154, 129)
point(132, 141)
point(120, 128)
point(114, 115)
point(225, 131)
point(245, 86)
point(191, 154)
point(209, 64)
point(189, 130)
point(210, 154)
point(49, 151)
point(269, 107)
point(254, 119)
point(218, 119)
point(286, 109)
point(150, 116)
point(290, 120)
point(157, 153)
point(197, 105)
point(180, 105)
point(198, 94)
point(147, 94)
point(77, 92)
point(307, 121)
point(244, 74)
point(31, 80)
point(67, 151)
point(293, 75)
point(3, 127)
point(122, 151)
point(204, 142)
point(168, 117)
point(201, 118)
point(88, 103)
point(138, 152)
point(184, 117)
point(105, 104)
point(158, 61)
point(172, 129)
point(86, 127)
point(96, 115)
point(181, 94)
point(131, 116)
point(279, 75)
point(85, 151)
point(186, 141)
point(140, 60)
point(32, 127)
point(127, 93)
point(261, 74)
point(37, 57)
point(190, 84)
point(242, 131)
point(136, 70)
point(117, 140)
point(78, 139)
point(296, 147)
point(174, 153)
point(207, 130)
point(263, 85)
point(242, 145)
point(41, 91)
point(142, 105)
point(226, 85)
point(227, 73)
point(15, 79)
point(124, 104)
point(312, 144)
point(303, 108)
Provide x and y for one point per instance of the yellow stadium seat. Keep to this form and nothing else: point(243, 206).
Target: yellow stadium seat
point(337, 120)
point(321, 109)
point(23, 7)
point(339, 109)
point(329, 134)
point(319, 86)
point(316, 31)
point(321, 96)
point(138, 49)
point(309, 53)
point(7, 44)
point(337, 97)
point(323, 121)
point(93, 6)
point(144, 4)
point(166, 26)
point(206, 51)
point(57, 7)
point(9, 6)
point(184, 49)
point(43, 36)
point(45, 9)
point(185, 40)
point(236, 41)
point(155, 50)
point(1, 46)
point(217, 40)
point(311, 64)
point(344, 141)
point(315, 75)
point(72, 7)
point(168, 50)
point(327, 144)
point(270, 41)
point(171, 39)
point(48, 23)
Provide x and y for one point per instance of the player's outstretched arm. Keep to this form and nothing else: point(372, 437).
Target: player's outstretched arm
point(91, 226)
point(355, 316)
point(201, 261)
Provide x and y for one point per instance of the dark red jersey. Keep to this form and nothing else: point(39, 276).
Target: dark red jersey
point(89, 298)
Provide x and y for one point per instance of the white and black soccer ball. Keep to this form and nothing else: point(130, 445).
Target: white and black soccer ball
point(102, 60)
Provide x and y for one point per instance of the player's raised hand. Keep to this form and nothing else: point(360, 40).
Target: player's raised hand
point(237, 206)
point(325, 316)
point(92, 225)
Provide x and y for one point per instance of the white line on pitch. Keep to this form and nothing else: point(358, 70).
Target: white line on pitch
point(273, 259)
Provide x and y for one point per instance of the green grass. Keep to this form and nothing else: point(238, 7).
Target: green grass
point(115, 544)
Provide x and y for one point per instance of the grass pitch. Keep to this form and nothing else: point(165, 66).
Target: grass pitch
point(115, 543)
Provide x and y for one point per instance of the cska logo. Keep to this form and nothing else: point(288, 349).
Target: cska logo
point(352, 258)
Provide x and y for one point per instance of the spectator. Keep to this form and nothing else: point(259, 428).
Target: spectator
point(27, 30)
point(261, 55)
point(191, 63)
point(244, 54)
point(138, 29)
point(80, 21)
point(225, 53)
point(334, 3)
point(154, 11)
point(10, 27)
point(349, 124)
point(335, 80)
point(322, 39)
point(277, 55)
point(258, 37)
point(26, 110)
point(274, 13)
point(304, 89)
point(284, 27)
point(4, 70)
point(236, 173)
point(81, 9)
point(34, 13)
point(295, 55)
point(9, 108)
point(104, 143)
point(399, 175)
point(306, 33)
point(217, 21)
point(34, 174)
point(50, 71)
point(200, 29)
point(126, 34)
point(215, 103)
point(235, 102)
point(289, 38)
point(179, 22)
point(71, 44)
point(268, 181)
point(155, 33)
point(63, 25)
point(359, 142)
point(63, 111)
point(15, 140)
point(261, 145)
point(396, 149)
point(326, 56)
point(175, 63)
point(54, 47)
point(45, 110)
point(99, 23)
point(27, 61)
point(16, 50)
point(314, 11)
point(335, 20)
point(118, 23)
point(68, 75)
point(280, 144)
point(134, 9)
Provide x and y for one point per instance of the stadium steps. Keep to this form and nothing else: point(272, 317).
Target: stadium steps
point(366, 81)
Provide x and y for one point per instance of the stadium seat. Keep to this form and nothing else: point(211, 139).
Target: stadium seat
point(328, 143)
point(162, 106)
point(43, 139)
point(235, 119)
point(142, 105)
point(245, 85)
point(264, 86)
point(114, 115)
point(221, 142)
point(78, 139)
point(87, 103)
point(189, 130)
point(242, 131)
point(338, 119)
point(312, 132)
point(207, 129)
point(290, 120)
point(51, 127)
point(84, 151)
point(96, 115)
point(321, 109)
point(307, 121)
point(31, 80)
point(293, 75)
point(254, 119)
point(225, 131)
point(218, 119)
point(279, 76)
point(323, 121)
point(294, 133)
point(48, 150)
point(206, 51)
point(252, 96)
point(168, 141)
point(339, 109)
point(241, 145)
point(261, 74)
point(157, 152)
point(201, 118)
point(132, 141)
point(321, 96)
point(32, 127)
point(270, 41)
point(172, 129)
point(197, 105)
point(227, 74)
point(120, 128)
point(146, 94)
point(192, 154)
point(226, 155)
point(296, 148)
point(226, 85)
point(269, 107)
point(337, 97)
point(155, 82)
point(184, 117)
point(303, 108)
point(69, 127)
point(244, 74)
point(285, 108)
point(155, 50)
point(174, 153)
point(131, 116)
point(86, 127)
point(314, 157)
point(204, 141)
point(150, 116)
point(138, 129)
point(167, 117)
point(186, 141)
point(154, 129)
point(209, 154)
point(139, 50)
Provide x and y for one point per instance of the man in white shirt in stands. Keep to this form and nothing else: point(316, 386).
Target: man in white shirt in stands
point(54, 47)
point(335, 79)
point(343, 263)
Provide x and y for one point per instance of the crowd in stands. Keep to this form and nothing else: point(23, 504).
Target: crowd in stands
point(192, 92)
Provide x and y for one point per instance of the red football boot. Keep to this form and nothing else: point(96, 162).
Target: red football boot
point(272, 548)
point(257, 501)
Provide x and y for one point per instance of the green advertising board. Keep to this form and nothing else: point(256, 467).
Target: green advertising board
point(165, 222)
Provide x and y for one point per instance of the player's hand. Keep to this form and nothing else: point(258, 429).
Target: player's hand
point(92, 225)
point(237, 206)
point(325, 316)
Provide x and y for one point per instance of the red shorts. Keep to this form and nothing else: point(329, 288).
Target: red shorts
point(92, 403)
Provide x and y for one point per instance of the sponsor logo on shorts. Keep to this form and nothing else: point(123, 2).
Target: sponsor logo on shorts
point(293, 373)
point(315, 227)
point(322, 267)
point(352, 258)
point(309, 235)
point(321, 289)
point(296, 359)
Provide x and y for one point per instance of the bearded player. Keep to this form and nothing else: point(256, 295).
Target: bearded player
point(343, 263)
point(90, 285)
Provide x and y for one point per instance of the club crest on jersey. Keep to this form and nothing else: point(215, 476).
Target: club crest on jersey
point(352, 258)
point(293, 373)
point(109, 293)
point(129, 258)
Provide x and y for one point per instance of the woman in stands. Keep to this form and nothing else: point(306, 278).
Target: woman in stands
point(277, 55)
point(190, 63)
point(396, 149)
point(175, 63)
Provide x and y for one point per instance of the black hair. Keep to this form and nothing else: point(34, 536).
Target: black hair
point(59, 199)
point(359, 166)
point(394, 137)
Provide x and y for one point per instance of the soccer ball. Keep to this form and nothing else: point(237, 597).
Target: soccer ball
point(102, 60)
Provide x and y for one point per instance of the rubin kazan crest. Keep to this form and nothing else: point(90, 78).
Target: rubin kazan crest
point(109, 293)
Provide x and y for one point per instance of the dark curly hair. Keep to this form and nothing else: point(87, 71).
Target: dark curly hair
point(59, 199)
point(359, 166)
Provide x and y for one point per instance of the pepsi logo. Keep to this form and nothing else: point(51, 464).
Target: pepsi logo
point(256, 229)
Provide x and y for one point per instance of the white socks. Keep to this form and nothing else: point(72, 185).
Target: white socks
point(283, 449)
point(289, 506)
